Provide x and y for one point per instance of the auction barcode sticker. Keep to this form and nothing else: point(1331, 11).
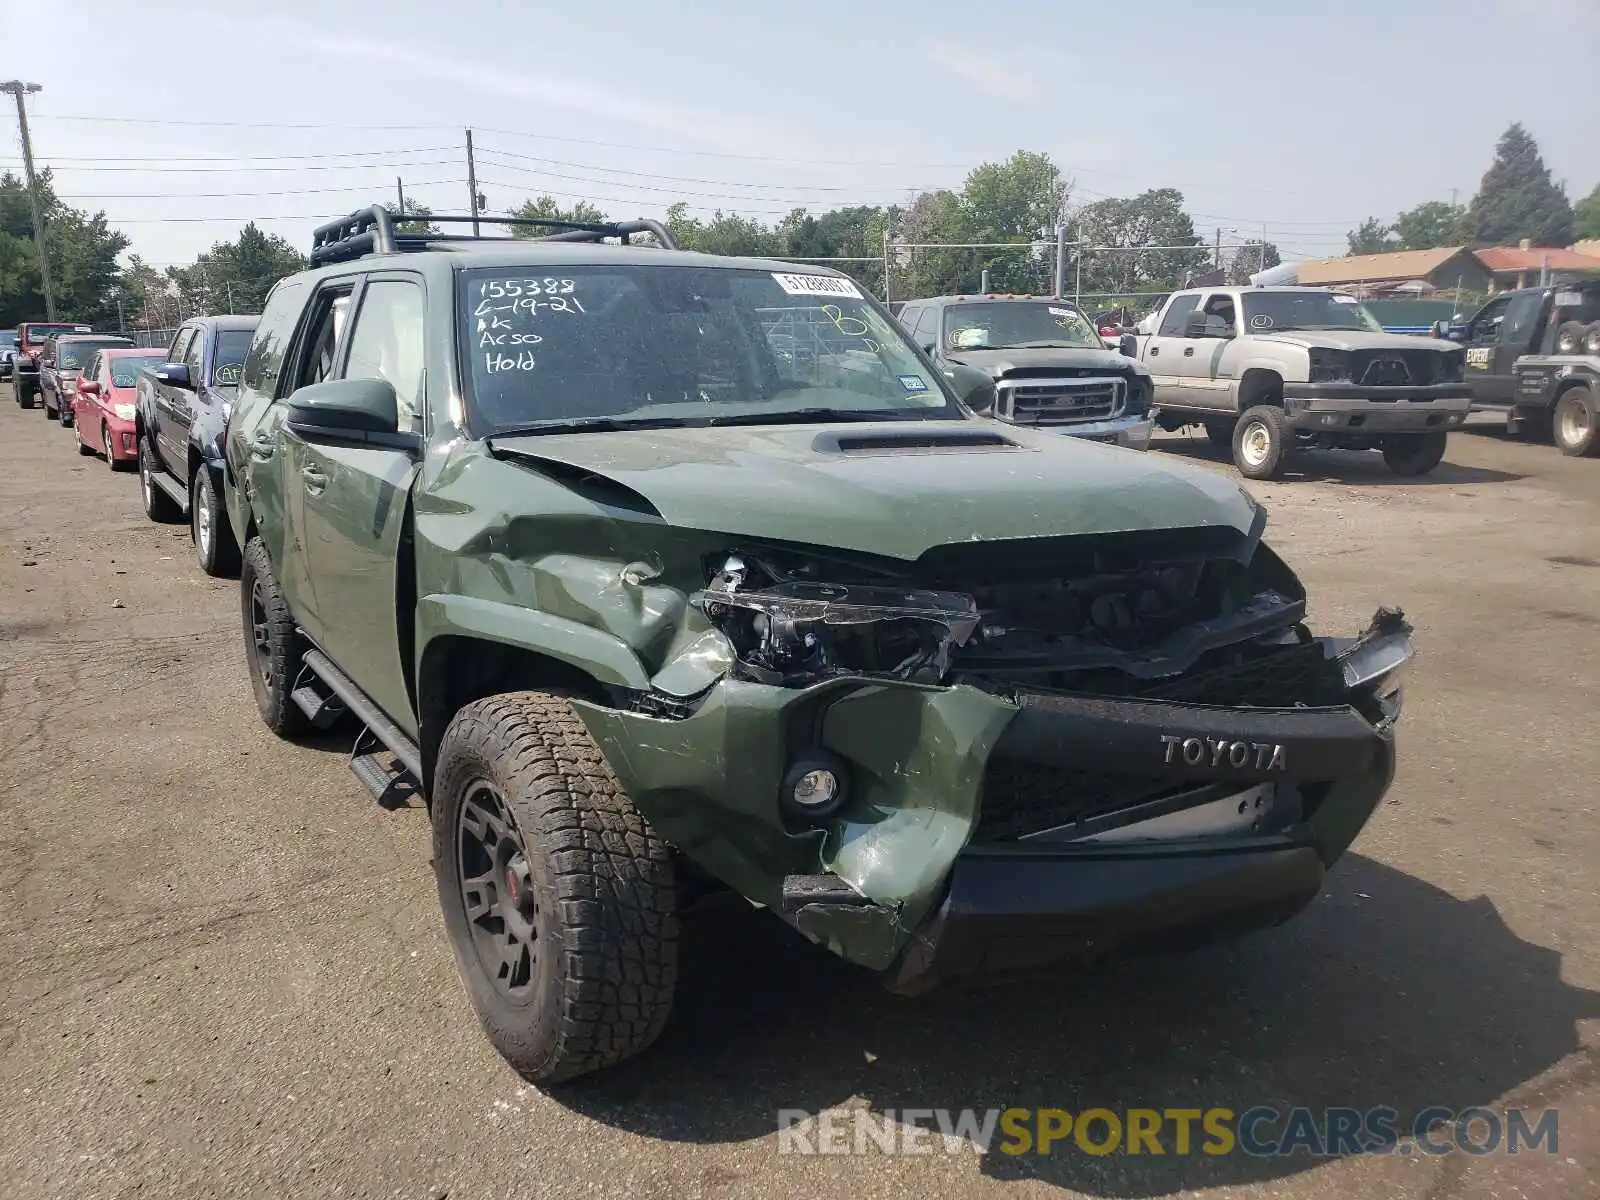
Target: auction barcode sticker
point(816, 285)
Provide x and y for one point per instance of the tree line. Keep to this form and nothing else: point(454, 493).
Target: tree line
point(1517, 199)
point(1002, 219)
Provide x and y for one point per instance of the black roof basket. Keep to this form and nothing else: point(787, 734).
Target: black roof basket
point(372, 231)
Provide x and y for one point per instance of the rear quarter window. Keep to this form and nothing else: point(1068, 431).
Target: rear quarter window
point(264, 363)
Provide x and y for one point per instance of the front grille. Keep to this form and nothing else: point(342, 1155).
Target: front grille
point(1396, 368)
point(1023, 798)
point(1060, 401)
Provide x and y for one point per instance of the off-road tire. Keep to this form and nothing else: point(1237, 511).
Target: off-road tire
point(23, 392)
point(1414, 453)
point(1261, 442)
point(275, 663)
point(1220, 434)
point(605, 920)
point(1591, 339)
point(158, 506)
point(1569, 337)
point(1576, 424)
point(218, 553)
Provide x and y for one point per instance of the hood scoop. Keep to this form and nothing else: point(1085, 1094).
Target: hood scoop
point(911, 441)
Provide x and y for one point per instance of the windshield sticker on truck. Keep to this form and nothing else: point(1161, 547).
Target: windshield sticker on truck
point(1341, 298)
point(227, 374)
point(816, 285)
point(914, 383)
point(1061, 312)
point(1569, 299)
point(1261, 321)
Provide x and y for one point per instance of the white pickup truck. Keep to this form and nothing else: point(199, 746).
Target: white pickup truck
point(1267, 370)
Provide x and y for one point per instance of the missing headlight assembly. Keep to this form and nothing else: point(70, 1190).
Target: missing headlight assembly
point(796, 631)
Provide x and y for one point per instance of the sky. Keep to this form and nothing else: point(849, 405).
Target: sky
point(1299, 118)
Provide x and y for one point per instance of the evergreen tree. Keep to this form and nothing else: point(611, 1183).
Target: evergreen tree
point(1517, 198)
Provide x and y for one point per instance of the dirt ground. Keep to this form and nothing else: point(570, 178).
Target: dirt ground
point(225, 973)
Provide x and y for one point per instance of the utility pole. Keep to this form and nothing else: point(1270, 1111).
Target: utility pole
point(1217, 263)
point(19, 89)
point(1061, 260)
point(230, 296)
point(886, 264)
point(472, 185)
point(400, 194)
point(1263, 245)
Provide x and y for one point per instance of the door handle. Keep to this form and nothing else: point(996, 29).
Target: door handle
point(1188, 351)
point(315, 480)
point(1154, 351)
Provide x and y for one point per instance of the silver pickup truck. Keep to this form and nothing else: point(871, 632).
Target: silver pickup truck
point(1267, 370)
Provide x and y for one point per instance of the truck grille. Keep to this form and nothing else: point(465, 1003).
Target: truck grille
point(1059, 401)
point(1396, 368)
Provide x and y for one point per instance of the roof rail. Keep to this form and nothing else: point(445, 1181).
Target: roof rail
point(372, 231)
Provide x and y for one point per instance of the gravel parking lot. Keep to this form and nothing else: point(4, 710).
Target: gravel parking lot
point(226, 973)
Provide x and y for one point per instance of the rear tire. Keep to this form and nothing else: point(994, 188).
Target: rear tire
point(272, 646)
point(158, 506)
point(1569, 337)
point(64, 413)
point(1576, 427)
point(1413, 453)
point(1261, 442)
point(558, 897)
point(214, 544)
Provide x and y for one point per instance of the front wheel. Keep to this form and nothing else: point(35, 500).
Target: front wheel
point(1577, 424)
point(214, 544)
point(1261, 442)
point(1413, 453)
point(558, 897)
point(272, 645)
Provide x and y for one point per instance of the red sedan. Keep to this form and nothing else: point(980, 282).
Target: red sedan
point(103, 405)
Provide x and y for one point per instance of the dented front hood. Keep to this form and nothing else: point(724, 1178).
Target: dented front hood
point(794, 483)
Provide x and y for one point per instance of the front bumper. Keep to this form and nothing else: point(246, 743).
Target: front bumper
point(1357, 408)
point(1131, 432)
point(946, 862)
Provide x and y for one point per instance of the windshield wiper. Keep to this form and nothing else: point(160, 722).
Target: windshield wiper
point(589, 425)
point(811, 416)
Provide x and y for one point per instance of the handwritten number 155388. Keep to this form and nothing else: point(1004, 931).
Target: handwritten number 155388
point(495, 289)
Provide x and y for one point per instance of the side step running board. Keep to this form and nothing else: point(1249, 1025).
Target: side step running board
point(385, 730)
point(175, 491)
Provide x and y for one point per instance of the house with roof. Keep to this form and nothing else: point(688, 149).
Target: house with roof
point(1526, 265)
point(1403, 274)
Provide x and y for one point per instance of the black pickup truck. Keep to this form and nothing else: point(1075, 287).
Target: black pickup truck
point(182, 411)
point(1560, 394)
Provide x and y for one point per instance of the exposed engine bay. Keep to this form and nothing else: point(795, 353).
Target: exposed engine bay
point(1049, 613)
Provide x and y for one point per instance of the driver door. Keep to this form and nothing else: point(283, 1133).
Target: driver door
point(1164, 352)
point(1483, 336)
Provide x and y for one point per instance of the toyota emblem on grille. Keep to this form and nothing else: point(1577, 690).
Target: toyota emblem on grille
point(1218, 752)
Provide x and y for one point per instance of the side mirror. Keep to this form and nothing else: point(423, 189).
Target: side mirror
point(973, 387)
point(89, 387)
point(176, 374)
point(362, 412)
point(1128, 345)
point(1194, 325)
point(1440, 329)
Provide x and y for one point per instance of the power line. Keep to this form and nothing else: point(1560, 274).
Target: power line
point(385, 165)
point(646, 187)
point(596, 196)
point(353, 187)
point(219, 158)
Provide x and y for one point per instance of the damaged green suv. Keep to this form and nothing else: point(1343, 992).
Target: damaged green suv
point(655, 571)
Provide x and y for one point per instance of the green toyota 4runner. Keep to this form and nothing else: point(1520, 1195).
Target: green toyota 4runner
point(656, 572)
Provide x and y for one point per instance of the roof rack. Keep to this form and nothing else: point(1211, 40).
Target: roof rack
point(372, 231)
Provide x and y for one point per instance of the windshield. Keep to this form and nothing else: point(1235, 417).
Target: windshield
point(232, 346)
point(1306, 310)
point(125, 368)
point(8, 337)
point(71, 356)
point(608, 346)
point(1009, 325)
point(38, 333)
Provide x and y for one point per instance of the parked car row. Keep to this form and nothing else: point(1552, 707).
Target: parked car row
point(160, 410)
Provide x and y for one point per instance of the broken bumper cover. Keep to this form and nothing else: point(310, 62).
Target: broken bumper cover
point(1361, 408)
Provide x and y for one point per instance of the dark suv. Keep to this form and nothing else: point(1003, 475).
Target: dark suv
point(657, 572)
point(1048, 365)
point(64, 358)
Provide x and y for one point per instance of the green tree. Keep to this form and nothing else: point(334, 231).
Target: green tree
point(546, 208)
point(412, 208)
point(725, 233)
point(1019, 200)
point(1120, 228)
point(839, 233)
point(150, 296)
point(83, 251)
point(1517, 198)
point(1372, 236)
point(931, 270)
point(1249, 259)
point(1430, 225)
point(1586, 216)
point(236, 276)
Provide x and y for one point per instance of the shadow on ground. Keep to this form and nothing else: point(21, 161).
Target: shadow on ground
point(1386, 992)
point(1364, 467)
